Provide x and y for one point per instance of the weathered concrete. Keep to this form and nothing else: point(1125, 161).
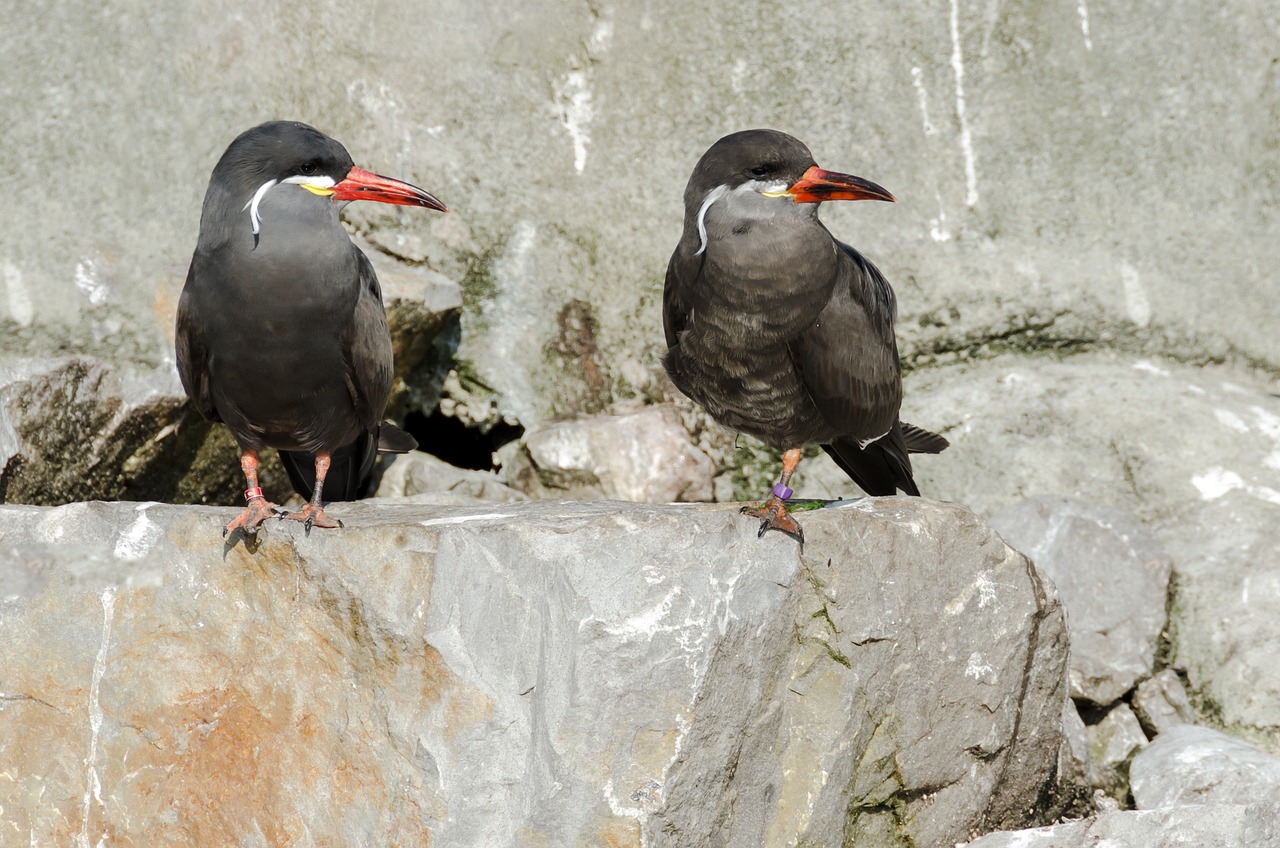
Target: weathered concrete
point(1032, 147)
point(523, 674)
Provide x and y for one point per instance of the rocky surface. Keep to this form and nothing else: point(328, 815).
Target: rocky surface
point(1194, 454)
point(422, 478)
point(1227, 825)
point(1113, 578)
point(1113, 741)
point(523, 674)
point(1198, 765)
point(1161, 703)
point(643, 455)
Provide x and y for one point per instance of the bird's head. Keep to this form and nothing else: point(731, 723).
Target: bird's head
point(752, 167)
point(283, 154)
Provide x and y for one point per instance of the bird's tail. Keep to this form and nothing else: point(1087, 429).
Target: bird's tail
point(350, 466)
point(884, 466)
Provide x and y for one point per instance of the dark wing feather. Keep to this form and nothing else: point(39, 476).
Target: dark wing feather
point(848, 359)
point(367, 347)
point(193, 354)
point(678, 294)
point(881, 468)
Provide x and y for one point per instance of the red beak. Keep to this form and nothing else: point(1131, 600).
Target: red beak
point(363, 185)
point(817, 185)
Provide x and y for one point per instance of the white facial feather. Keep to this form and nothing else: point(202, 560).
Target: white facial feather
point(770, 188)
point(712, 196)
point(255, 220)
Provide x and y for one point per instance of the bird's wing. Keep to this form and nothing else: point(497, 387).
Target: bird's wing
point(367, 345)
point(193, 354)
point(848, 358)
point(678, 294)
point(881, 468)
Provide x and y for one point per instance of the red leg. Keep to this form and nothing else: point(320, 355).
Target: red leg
point(259, 508)
point(773, 512)
point(312, 515)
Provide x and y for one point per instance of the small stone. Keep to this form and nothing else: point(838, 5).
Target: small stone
point(644, 456)
point(1112, 744)
point(422, 478)
point(1161, 703)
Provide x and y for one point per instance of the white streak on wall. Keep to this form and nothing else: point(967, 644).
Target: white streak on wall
point(966, 137)
point(1135, 296)
point(88, 279)
point(21, 309)
point(1083, 9)
point(922, 96)
point(574, 95)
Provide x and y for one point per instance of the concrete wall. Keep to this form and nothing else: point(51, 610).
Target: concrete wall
point(1068, 172)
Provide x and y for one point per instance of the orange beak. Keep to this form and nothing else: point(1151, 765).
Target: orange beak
point(817, 185)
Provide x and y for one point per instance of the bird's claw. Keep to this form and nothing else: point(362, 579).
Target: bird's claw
point(251, 518)
point(312, 516)
point(774, 516)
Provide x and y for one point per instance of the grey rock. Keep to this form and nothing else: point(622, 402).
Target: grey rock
point(1198, 765)
point(423, 478)
point(1229, 589)
point(75, 428)
point(1193, 452)
point(1209, 826)
point(563, 135)
point(644, 456)
point(1161, 703)
point(1113, 741)
point(1114, 581)
point(1074, 758)
point(525, 674)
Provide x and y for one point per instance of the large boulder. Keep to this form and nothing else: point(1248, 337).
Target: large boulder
point(1199, 765)
point(1193, 452)
point(1114, 581)
point(524, 674)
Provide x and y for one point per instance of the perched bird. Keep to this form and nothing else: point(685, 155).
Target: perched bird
point(281, 332)
point(779, 330)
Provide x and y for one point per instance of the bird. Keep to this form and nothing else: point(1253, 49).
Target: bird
point(281, 332)
point(781, 331)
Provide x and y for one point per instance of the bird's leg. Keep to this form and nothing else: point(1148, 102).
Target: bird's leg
point(773, 512)
point(259, 508)
point(312, 515)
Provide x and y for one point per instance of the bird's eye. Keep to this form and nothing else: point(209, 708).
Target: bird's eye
point(760, 170)
point(307, 168)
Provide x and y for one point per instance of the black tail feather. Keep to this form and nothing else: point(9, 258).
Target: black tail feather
point(884, 466)
point(920, 440)
point(350, 466)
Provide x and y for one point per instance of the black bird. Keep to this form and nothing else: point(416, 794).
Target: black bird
point(281, 332)
point(779, 330)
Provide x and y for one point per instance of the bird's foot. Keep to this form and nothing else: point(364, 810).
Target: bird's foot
point(248, 521)
point(312, 516)
point(773, 515)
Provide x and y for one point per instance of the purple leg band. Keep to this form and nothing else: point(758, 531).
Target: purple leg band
point(781, 491)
